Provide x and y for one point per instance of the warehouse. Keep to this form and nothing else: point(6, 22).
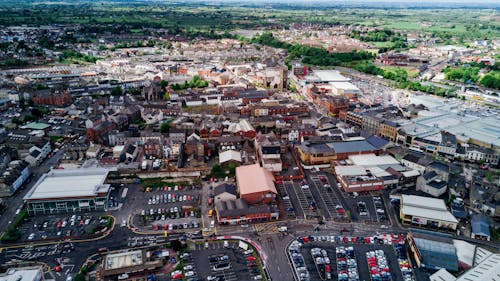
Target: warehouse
point(60, 191)
point(255, 184)
point(426, 211)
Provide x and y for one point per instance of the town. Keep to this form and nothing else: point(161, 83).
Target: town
point(289, 151)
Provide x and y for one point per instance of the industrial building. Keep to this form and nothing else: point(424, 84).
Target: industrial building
point(485, 270)
point(426, 211)
point(73, 190)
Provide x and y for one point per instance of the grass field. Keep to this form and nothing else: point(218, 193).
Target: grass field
point(412, 71)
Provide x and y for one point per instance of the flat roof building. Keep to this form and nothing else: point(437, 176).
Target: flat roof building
point(32, 273)
point(128, 263)
point(426, 211)
point(69, 190)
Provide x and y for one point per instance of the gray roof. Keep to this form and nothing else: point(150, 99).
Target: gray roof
point(229, 188)
point(238, 207)
point(352, 146)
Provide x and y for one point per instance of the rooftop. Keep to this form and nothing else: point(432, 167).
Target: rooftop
point(22, 274)
point(70, 183)
point(372, 160)
point(426, 207)
point(123, 259)
point(254, 178)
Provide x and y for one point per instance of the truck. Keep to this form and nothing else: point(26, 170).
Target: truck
point(144, 165)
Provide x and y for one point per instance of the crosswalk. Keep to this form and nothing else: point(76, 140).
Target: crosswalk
point(266, 228)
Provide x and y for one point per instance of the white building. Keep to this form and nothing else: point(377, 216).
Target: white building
point(37, 154)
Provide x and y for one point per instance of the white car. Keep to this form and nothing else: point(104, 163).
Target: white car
point(188, 267)
point(189, 273)
point(305, 186)
point(124, 223)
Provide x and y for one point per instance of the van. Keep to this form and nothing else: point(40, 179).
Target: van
point(206, 245)
point(226, 244)
point(212, 223)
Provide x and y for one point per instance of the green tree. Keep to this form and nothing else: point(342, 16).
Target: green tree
point(163, 84)
point(165, 127)
point(116, 91)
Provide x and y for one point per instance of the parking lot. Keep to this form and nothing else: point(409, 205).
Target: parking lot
point(287, 203)
point(321, 187)
point(172, 208)
point(61, 226)
point(360, 251)
point(302, 199)
point(222, 261)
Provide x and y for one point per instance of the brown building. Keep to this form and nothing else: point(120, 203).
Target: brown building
point(56, 99)
point(255, 184)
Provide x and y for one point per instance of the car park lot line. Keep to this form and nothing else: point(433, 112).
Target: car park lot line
point(298, 206)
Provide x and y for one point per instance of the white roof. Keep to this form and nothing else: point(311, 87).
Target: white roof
point(26, 274)
point(344, 86)
point(411, 173)
point(350, 170)
point(330, 76)
point(485, 271)
point(123, 259)
point(118, 148)
point(378, 172)
point(442, 275)
point(69, 184)
point(372, 160)
point(426, 207)
point(229, 155)
point(465, 251)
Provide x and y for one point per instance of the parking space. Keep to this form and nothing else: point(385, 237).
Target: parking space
point(171, 207)
point(329, 202)
point(287, 203)
point(302, 197)
point(355, 263)
point(363, 208)
point(62, 226)
point(223, 261)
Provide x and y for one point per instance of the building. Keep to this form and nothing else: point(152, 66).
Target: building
point(426, 211)
point(432, 250)
point(72, 190)
point(13, 177)
point(31, 273)
point(255, 184)
point(124, 264)
point(230, 156)
point(238, 211)
point(268, 150)
point(357, 179)
point(225, 192)
point(325, 152)
point(480, 227)
point(432, 184)
point(481, 154)
point(485, 270)
point(38, 153)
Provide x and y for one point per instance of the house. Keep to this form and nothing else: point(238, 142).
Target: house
point(255, 184)
point(225, 192)
point(442, 169)
point(177, 135)
point(268, 150)
point(415, 162)
point(13, 176)
point(38, 153)
point(230, 156)
point(480, 227)
point(481, 154)
point(432, 184)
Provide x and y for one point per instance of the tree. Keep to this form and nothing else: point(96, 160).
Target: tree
point(116, 91)
point(165, 128)
point(163, 84)
point(217, 171)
